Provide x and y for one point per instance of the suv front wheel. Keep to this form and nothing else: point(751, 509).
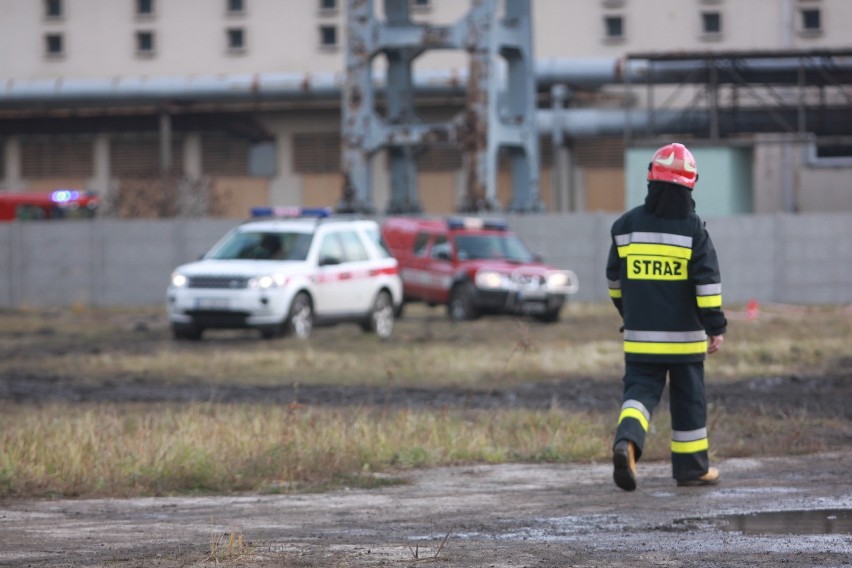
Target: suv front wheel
point(300, 320)
point(381, 318)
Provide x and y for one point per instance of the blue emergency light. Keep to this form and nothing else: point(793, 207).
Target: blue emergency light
point(290, 212)
point(64, 195)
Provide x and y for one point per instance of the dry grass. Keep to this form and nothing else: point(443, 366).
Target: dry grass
point(117, 450)
point(143, 450)
point(426, 350)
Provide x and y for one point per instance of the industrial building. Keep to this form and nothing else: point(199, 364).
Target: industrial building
point(208, 107)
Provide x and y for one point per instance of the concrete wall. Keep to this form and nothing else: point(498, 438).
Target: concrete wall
point(772, 258)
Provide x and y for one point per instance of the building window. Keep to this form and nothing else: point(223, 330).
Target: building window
point(57, 156)
point(811, 21)
point(316, 153)
point(327, 5)
point(614, 27)
point(53, 45)
point(328, 36)
point(236, 7)
point(236, 39)
point(830, 155)
point(145, 8)
point(711, 23)
point(145, 43)
point(421, 4)
point(53, 9)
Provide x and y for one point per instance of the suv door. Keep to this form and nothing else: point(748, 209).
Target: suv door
point(343, 283)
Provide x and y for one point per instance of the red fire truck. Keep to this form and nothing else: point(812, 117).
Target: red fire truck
point(58, 204)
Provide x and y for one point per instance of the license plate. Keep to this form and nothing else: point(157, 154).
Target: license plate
point(212, 303)
point(534, 307)
point(532, 294)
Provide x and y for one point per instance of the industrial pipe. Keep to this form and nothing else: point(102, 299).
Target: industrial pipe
point(590, 73)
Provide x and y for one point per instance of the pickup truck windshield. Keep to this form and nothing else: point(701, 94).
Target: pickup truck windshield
point(507, 247)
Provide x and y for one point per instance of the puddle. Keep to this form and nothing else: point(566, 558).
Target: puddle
point(823, 521)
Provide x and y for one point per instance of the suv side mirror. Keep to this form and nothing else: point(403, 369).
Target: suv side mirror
point(329, 260)
point(443, 255)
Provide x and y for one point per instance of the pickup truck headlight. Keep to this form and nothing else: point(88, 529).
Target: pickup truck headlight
point(490, 280)
point(179, 280)
point(562, 281)
point(267, 281)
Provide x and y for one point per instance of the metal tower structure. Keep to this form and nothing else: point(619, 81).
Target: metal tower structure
point(499, 113)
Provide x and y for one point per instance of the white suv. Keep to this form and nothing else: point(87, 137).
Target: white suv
point(283, 276)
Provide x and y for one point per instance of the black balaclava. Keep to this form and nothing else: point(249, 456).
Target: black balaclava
point(669, 200)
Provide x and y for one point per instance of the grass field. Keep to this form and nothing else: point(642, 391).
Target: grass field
point(112, 449)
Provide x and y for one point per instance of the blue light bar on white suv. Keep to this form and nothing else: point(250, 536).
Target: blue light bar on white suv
point(290, 212)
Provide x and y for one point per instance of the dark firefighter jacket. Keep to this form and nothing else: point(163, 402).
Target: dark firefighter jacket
point(664, 279)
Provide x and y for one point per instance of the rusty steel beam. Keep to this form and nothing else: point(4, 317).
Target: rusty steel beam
point(482, 129)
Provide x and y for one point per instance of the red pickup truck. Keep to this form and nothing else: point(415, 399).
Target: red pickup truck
point(475, 266)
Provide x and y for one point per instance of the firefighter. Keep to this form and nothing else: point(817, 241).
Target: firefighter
point(663, 278)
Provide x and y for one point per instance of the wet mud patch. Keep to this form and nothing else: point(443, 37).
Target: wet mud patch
point(819, 521)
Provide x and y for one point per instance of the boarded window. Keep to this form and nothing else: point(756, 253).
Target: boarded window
point(439, 159)
point(223, 155)
point(140, 156)
point(545, 151)
point(316, 153)
point(57, 157)
point(600, 153)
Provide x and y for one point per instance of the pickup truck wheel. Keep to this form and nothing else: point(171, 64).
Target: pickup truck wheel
point(462, 305)
point(300, 320)
point(381, 318)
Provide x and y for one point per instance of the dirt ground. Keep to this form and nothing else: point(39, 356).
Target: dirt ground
point(475, 516)
point(471, 517)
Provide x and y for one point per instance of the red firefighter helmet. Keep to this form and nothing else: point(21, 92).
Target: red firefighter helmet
point(675, 164)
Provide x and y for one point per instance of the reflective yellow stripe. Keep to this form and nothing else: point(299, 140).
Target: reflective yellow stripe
point(710, 301)
point(614, 293)
point(634, 413)
point(654, 250)
point(655, 348)
point(690, 447)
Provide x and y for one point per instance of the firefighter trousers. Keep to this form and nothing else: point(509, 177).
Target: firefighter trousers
point(643, 388)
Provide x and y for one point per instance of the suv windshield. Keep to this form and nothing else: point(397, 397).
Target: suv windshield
point(507, 247)
point(258, 245)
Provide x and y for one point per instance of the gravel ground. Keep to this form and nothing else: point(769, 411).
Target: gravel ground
point(482, 516)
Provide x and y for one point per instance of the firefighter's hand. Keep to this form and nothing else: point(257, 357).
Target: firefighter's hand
point(714, 343)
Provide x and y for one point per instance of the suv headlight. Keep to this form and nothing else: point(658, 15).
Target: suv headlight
point(179, 280)
point(490, 280)
point(267, 281)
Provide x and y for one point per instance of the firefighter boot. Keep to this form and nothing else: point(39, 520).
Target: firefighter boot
point(710, 478)
point(624, 462)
